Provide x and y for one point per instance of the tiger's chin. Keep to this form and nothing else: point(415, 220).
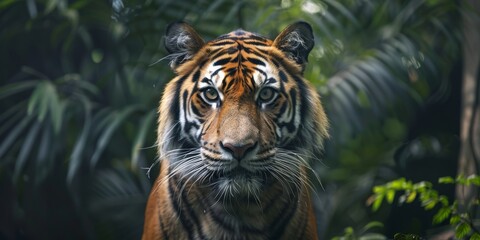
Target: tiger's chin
point(239, 183)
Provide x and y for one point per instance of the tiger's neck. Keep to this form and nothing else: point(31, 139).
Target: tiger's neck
point(278, 213)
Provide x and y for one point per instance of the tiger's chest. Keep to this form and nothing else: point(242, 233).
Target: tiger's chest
point(206, 218)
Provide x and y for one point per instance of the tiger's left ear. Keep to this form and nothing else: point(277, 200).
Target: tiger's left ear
point(296, 41)
point(181, 42)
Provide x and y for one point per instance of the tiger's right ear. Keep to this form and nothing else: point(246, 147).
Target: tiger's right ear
point(181, 42)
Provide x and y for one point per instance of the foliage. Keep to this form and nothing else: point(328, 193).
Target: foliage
point(462, 221)
point(80, 82)
point(366, 233)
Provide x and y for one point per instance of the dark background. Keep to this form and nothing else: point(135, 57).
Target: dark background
point(80, 82)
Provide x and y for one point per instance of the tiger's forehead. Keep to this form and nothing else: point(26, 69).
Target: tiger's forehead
point(241, 34)
point(217, 76)
point(238, 58)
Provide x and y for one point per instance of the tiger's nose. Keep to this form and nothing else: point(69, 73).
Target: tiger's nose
point(238, 150)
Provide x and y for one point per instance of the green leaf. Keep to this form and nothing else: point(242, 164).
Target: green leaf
point(441, 215)
point(374, 224)
point(446, 180)
point(429, 204)
point(6, 3)
point(379, 189)
point(34, 99)
point(44, 146)
point(454, 219)
point(78, 150)
point(344, 11)
point(377, 202)
point(44, 99)
point(11, 117)
point(461, 179)
point(348, 231)
point(444, 200)
point(26, 150)
point(390, 196)
point(398, 184)
point(8, 141)
point(56, 113)
point(473, 179)
point(34, 72)
point(43, 163)
point(401, 236)
point(372, 236)
point(14, 88)
point(475, 236)
point(117, 119)
point(411, 197)
point(422, 186)
point(462, 230)
point(140, 139)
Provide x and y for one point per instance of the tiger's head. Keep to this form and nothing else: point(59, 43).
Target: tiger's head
point(239, 113)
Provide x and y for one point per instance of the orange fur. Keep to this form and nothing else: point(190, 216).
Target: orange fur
point(234, 160)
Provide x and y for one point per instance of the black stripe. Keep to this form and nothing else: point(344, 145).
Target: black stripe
point(185, 99)
point(222, 61)
point(304, 223)
point(216, 72)
point(275, 62)
point(221, 53)
point(187, 124)
point(196, 76)
point(219, 220)
point(192, 214)
point(292, 111)
point(196, 111)
point(258, 38)
point(214, 51)
point(271, 203)
point(303, 96)
point(262, 51)
point(282, 110)
point(186, 224)
point(271, 80)
point(254, 42)
point(282, 76)
point(284, 218)
point(186, 207)
point(223, 42)
point(229, 84)
point(256, 61)
point(231, 71)
point(247, 49)
point(290, 125)
point(162, 227)
point(175, 109)
point(175, 113)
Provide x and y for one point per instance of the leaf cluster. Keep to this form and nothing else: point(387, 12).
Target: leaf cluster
point(430, 199)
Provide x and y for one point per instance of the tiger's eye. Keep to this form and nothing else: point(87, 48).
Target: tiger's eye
point(267, 94)
point(210, 94)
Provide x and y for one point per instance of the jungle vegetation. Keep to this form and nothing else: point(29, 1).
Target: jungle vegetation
point(80, 81)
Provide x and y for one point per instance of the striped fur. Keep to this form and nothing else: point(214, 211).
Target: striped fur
point(238, 127)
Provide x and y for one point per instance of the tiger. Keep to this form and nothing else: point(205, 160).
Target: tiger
point(238, 128)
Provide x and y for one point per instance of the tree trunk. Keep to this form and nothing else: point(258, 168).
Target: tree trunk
point(470, 109)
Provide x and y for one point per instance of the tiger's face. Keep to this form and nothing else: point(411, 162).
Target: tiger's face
point(239, 115)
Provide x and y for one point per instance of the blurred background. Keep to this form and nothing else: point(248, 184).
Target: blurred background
point(80, 81)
